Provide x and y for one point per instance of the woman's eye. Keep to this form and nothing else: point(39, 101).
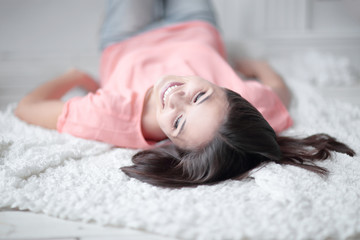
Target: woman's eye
point(177, 121)
point(198, 96)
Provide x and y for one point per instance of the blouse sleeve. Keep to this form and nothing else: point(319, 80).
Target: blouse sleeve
point(106, 117)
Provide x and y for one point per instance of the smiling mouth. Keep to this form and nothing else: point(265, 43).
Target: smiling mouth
point(167, 90)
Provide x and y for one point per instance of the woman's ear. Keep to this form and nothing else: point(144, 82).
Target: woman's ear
point(162, 143)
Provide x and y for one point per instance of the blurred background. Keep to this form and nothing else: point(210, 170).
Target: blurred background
point(40, 39)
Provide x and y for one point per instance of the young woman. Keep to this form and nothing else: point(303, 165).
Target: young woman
point(164, 75)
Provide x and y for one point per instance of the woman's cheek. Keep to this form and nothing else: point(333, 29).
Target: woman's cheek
point(162, 121)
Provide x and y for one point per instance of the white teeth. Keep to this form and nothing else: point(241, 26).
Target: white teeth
point(168, 91)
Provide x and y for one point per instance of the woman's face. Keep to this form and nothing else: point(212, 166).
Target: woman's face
point(189, 110)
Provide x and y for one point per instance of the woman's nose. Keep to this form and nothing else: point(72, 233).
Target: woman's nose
point(177, 99)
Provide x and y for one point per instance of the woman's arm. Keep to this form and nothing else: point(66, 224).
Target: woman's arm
point(266, 75)
point(43, 106)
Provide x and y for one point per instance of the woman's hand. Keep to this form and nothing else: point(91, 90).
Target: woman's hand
point(82, 79)
point(262, 71)
point(43, 106)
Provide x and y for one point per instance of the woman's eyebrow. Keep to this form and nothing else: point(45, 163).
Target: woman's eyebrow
point(203, 100)
point(181, 128)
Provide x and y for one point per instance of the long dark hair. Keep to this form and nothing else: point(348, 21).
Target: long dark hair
point(243, 142)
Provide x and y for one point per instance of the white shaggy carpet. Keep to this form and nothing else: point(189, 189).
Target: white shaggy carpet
point(70, 178)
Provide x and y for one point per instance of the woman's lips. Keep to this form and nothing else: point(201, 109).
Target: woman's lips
point(165, 88)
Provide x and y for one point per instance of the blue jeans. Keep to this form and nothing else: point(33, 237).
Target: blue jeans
point(127, 18)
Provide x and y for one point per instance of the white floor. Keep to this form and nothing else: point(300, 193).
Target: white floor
point(37, 42)
point(26, 225)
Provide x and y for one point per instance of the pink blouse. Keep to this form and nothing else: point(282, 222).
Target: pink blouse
point(129, 68)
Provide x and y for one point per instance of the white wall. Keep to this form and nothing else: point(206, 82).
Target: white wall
point(267, 28)
point(40, 39)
